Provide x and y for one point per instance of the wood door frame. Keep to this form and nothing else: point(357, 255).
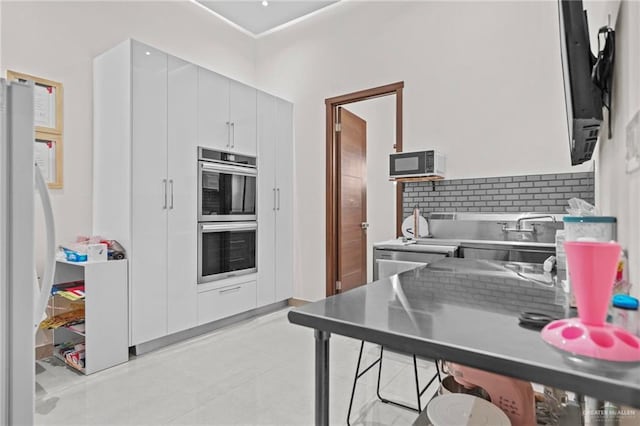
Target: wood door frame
point(332, 164)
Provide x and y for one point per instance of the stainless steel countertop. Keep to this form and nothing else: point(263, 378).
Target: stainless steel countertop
point(424, 244)
point(469, 315)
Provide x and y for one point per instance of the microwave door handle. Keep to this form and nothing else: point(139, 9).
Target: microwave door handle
point(225, 168)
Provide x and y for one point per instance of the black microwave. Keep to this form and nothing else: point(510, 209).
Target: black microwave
point(417, 164)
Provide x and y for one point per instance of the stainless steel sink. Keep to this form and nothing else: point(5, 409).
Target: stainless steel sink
point(520, 270)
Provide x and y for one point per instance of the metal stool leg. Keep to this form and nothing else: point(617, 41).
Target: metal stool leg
point(378, 361)
point(419, 392)
point(357, 376)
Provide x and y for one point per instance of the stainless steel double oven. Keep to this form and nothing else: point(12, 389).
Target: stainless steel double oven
point(227, 226)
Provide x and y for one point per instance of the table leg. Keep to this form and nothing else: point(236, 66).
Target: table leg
point(322, 377)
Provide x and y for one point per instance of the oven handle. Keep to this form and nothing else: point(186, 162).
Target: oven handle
point(226, 227)
point(224, 168)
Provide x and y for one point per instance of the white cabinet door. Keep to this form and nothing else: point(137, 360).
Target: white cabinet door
point(213, 110)
point(182, 173)
point(284, 200)
point(267, 133)
point(149, 199)
point(242, 107)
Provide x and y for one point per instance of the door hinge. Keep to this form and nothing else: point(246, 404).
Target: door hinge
point(338, 285)
point(338, 127)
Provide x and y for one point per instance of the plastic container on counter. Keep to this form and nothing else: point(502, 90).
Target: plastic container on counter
point(625, 313)
point(595, 228)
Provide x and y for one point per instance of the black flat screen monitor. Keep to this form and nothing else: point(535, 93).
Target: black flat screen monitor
point(583, 98)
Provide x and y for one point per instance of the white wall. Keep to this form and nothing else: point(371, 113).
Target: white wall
point(380, 115)
point(618, 193)
point(58, 41)
point(483, 83)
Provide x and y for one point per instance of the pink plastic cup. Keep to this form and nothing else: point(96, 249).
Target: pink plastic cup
point(592, 270)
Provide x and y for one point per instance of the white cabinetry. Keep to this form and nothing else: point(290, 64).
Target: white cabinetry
point(226, 114)
point(145, 181)
point(105, 306)
point(225, 301)
point(275, 199)
point(182, 263)
point(151, 112)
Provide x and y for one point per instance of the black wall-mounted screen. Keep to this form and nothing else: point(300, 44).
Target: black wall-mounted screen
point(583, 98)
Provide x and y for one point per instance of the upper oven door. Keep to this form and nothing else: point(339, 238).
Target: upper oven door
point(407, 164)
point(226, 192)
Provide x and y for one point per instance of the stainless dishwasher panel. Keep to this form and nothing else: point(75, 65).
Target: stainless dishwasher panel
point(403, 258)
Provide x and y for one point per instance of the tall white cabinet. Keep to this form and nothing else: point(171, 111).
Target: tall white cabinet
point(151, 112)
point(275, 199)
point(145, 183)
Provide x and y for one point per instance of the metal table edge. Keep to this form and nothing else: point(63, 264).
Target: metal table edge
point(597, 387)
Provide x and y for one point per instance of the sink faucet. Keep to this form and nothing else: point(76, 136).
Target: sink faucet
point(521, 219)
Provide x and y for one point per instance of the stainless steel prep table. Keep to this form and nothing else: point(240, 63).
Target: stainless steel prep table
point(462, 312)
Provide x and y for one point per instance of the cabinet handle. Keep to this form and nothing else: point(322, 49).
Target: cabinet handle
point(233, 137)
point(171, 185)
point(229, 290)
point(274, 199)
point(278, 198)
point(164, 183)
point(228, 134)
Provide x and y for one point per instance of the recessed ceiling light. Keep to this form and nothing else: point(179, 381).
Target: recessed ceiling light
point(147, 53)
point(265, 3)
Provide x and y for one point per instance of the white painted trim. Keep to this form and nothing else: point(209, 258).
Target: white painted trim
point(233, 24)
point(300, 19)
point(274, 29)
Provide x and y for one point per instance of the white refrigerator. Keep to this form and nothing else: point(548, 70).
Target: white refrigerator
point(23, 297)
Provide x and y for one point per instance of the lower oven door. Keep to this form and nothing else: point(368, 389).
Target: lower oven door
point(226, 250)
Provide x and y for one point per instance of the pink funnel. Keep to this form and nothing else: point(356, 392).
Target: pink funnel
point(592, 267)
point(592, 270)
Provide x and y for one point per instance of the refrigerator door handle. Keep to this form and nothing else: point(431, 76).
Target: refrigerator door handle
point(43, 290)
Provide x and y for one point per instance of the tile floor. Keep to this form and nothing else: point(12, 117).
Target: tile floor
point(257, 372)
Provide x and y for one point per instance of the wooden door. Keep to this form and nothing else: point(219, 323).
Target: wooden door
point(352, 198)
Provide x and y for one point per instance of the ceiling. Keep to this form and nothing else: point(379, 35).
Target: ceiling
point(254, 18)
